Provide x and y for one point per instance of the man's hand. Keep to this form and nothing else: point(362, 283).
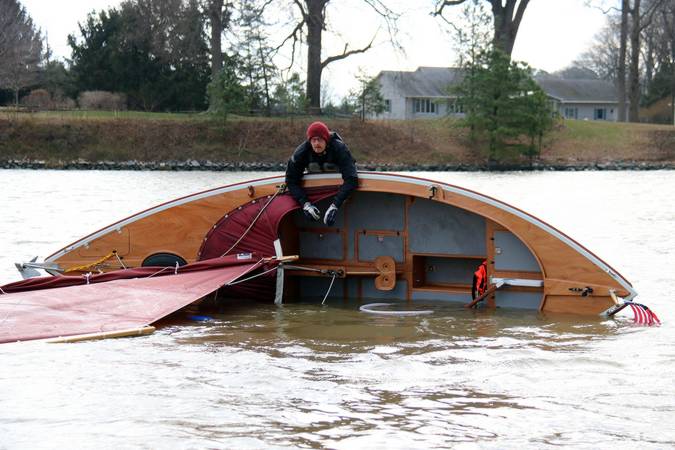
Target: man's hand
point(329, 217)
point(311, 211)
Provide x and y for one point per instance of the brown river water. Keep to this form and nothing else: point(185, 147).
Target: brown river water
point(310, 376)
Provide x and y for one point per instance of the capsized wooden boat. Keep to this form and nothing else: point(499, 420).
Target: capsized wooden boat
point(397, 237)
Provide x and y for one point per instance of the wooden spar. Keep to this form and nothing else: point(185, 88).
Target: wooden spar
point(484, 295)
point(282, 259)
point(385, 273)
point(143, 331)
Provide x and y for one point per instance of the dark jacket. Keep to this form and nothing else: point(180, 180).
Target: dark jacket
point(335, 157)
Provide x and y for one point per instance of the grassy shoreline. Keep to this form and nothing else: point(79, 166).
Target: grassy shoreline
point(158, 141)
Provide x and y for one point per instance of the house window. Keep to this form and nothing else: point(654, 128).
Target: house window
point(571, 113)
point(600, 114)
point(424, 106)
point(387, 105)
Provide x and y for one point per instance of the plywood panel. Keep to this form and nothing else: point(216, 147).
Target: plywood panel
point(576, 305)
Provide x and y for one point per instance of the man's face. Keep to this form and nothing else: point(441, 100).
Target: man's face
point(318, 144)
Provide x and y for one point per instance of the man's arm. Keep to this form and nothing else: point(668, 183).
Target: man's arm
point(349, 176)
point(294, 173)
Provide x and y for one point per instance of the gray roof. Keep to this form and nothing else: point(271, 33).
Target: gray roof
point(571, 91)
point(424, 82)
point(435, 81)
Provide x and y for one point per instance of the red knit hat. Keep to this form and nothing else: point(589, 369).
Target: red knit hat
point(318, 129)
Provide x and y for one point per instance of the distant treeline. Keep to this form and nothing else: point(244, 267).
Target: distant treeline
point(218, 55)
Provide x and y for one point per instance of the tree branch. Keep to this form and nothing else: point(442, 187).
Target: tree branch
point(391, 19)
point(441, 6)
point(519, 13)
point(296, 34)
point(346, 53)
point(648, 16)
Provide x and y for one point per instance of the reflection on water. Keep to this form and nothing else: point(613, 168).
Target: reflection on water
point(312, 376)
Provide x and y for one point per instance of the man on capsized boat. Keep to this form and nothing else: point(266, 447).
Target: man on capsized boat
point(323, 151)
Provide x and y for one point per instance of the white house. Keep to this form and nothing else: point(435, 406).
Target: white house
point(425, 93)
point(422, 93)
point(582, 99)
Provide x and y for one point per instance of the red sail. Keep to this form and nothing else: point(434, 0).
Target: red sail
point(114, 305)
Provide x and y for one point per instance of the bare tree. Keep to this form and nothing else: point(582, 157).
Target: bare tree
point(634, 20)
point(507, 19)
point(20, 48)
point(219, 13)
point(640, 19)
point(668, 17)
point(313, 21)
point(621, 66)
point(603, 56)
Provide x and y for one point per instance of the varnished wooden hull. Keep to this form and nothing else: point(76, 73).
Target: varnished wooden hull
point(437, 234)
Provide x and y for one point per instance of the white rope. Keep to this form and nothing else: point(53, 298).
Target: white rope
point(2, 292)
point(87, 276)
point(329, 288)
point(120, 260)
point(251, 277)
point(369, 309)
point(159, 271)
point(252, 223)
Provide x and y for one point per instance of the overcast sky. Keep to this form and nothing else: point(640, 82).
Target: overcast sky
point(552, 34)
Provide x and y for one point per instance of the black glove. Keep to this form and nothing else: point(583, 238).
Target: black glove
point(329, 217)
point(311, 211)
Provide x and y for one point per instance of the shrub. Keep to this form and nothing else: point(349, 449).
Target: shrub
point(38, 99)
point(102, 100)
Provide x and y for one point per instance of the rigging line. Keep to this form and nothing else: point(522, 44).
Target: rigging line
point(252, 222)
point(120, 260)
point(329, 288)
point(252, 277)
point(159, 271)
point(2, 292)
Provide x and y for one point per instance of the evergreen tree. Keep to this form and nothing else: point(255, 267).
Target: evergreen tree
point(255, 55)
point(289, 96)
point(503, 104)
point(154, 51)
point(225, 91)
point(368, 98)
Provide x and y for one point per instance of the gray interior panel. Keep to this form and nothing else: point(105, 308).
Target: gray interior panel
point(449, 270)
point(352, 284)
point(311, 287)
point(374, 211)
point(368, 290)
point(321, 245)
point(444, 296)
point(518, 300)
point(371, 246)
point(435, 227)
point(511, 253)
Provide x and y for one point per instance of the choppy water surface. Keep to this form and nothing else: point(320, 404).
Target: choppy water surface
point(308, 376)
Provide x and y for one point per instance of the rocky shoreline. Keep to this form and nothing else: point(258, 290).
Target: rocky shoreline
point(193, 165)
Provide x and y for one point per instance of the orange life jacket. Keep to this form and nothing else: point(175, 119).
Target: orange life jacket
point(479, 280)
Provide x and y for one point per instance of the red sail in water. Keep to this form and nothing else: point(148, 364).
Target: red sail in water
point(112, 305)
